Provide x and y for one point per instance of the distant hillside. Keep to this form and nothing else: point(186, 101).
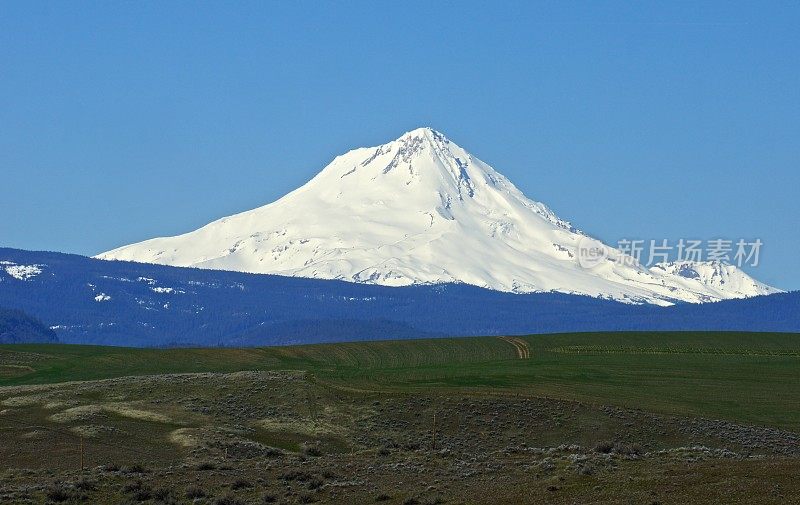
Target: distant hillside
point(136, 304)
point(16, 327)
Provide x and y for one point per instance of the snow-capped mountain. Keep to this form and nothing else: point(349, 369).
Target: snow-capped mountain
point(421, 209)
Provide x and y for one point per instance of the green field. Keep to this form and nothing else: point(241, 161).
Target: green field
point(745, 377)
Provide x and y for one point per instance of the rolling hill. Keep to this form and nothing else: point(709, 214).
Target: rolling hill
point(123, 303)
point(17, 327)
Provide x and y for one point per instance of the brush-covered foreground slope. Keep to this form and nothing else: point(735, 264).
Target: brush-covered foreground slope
point(123, 303)
point(422, 210)
point(555, 419)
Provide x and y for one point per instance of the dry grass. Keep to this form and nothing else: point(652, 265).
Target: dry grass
point(10, 371)
point(131, 412)
point(80, 413)
point(303, 426)
point(186, 437)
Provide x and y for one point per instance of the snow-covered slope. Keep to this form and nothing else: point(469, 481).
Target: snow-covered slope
point(725, 280)
point(421, 209)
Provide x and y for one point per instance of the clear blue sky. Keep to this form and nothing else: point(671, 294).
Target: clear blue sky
point(124, 121)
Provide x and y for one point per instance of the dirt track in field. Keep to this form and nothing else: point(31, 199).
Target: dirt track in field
point(523, 351)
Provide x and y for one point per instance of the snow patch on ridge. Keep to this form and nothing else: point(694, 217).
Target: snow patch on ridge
point(21, 272)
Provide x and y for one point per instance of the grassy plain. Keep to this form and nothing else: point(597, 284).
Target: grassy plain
point(749, 377)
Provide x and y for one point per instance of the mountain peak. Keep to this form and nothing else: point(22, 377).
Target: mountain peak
point(419, 139)
point(420, 163)
point(423, 131)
